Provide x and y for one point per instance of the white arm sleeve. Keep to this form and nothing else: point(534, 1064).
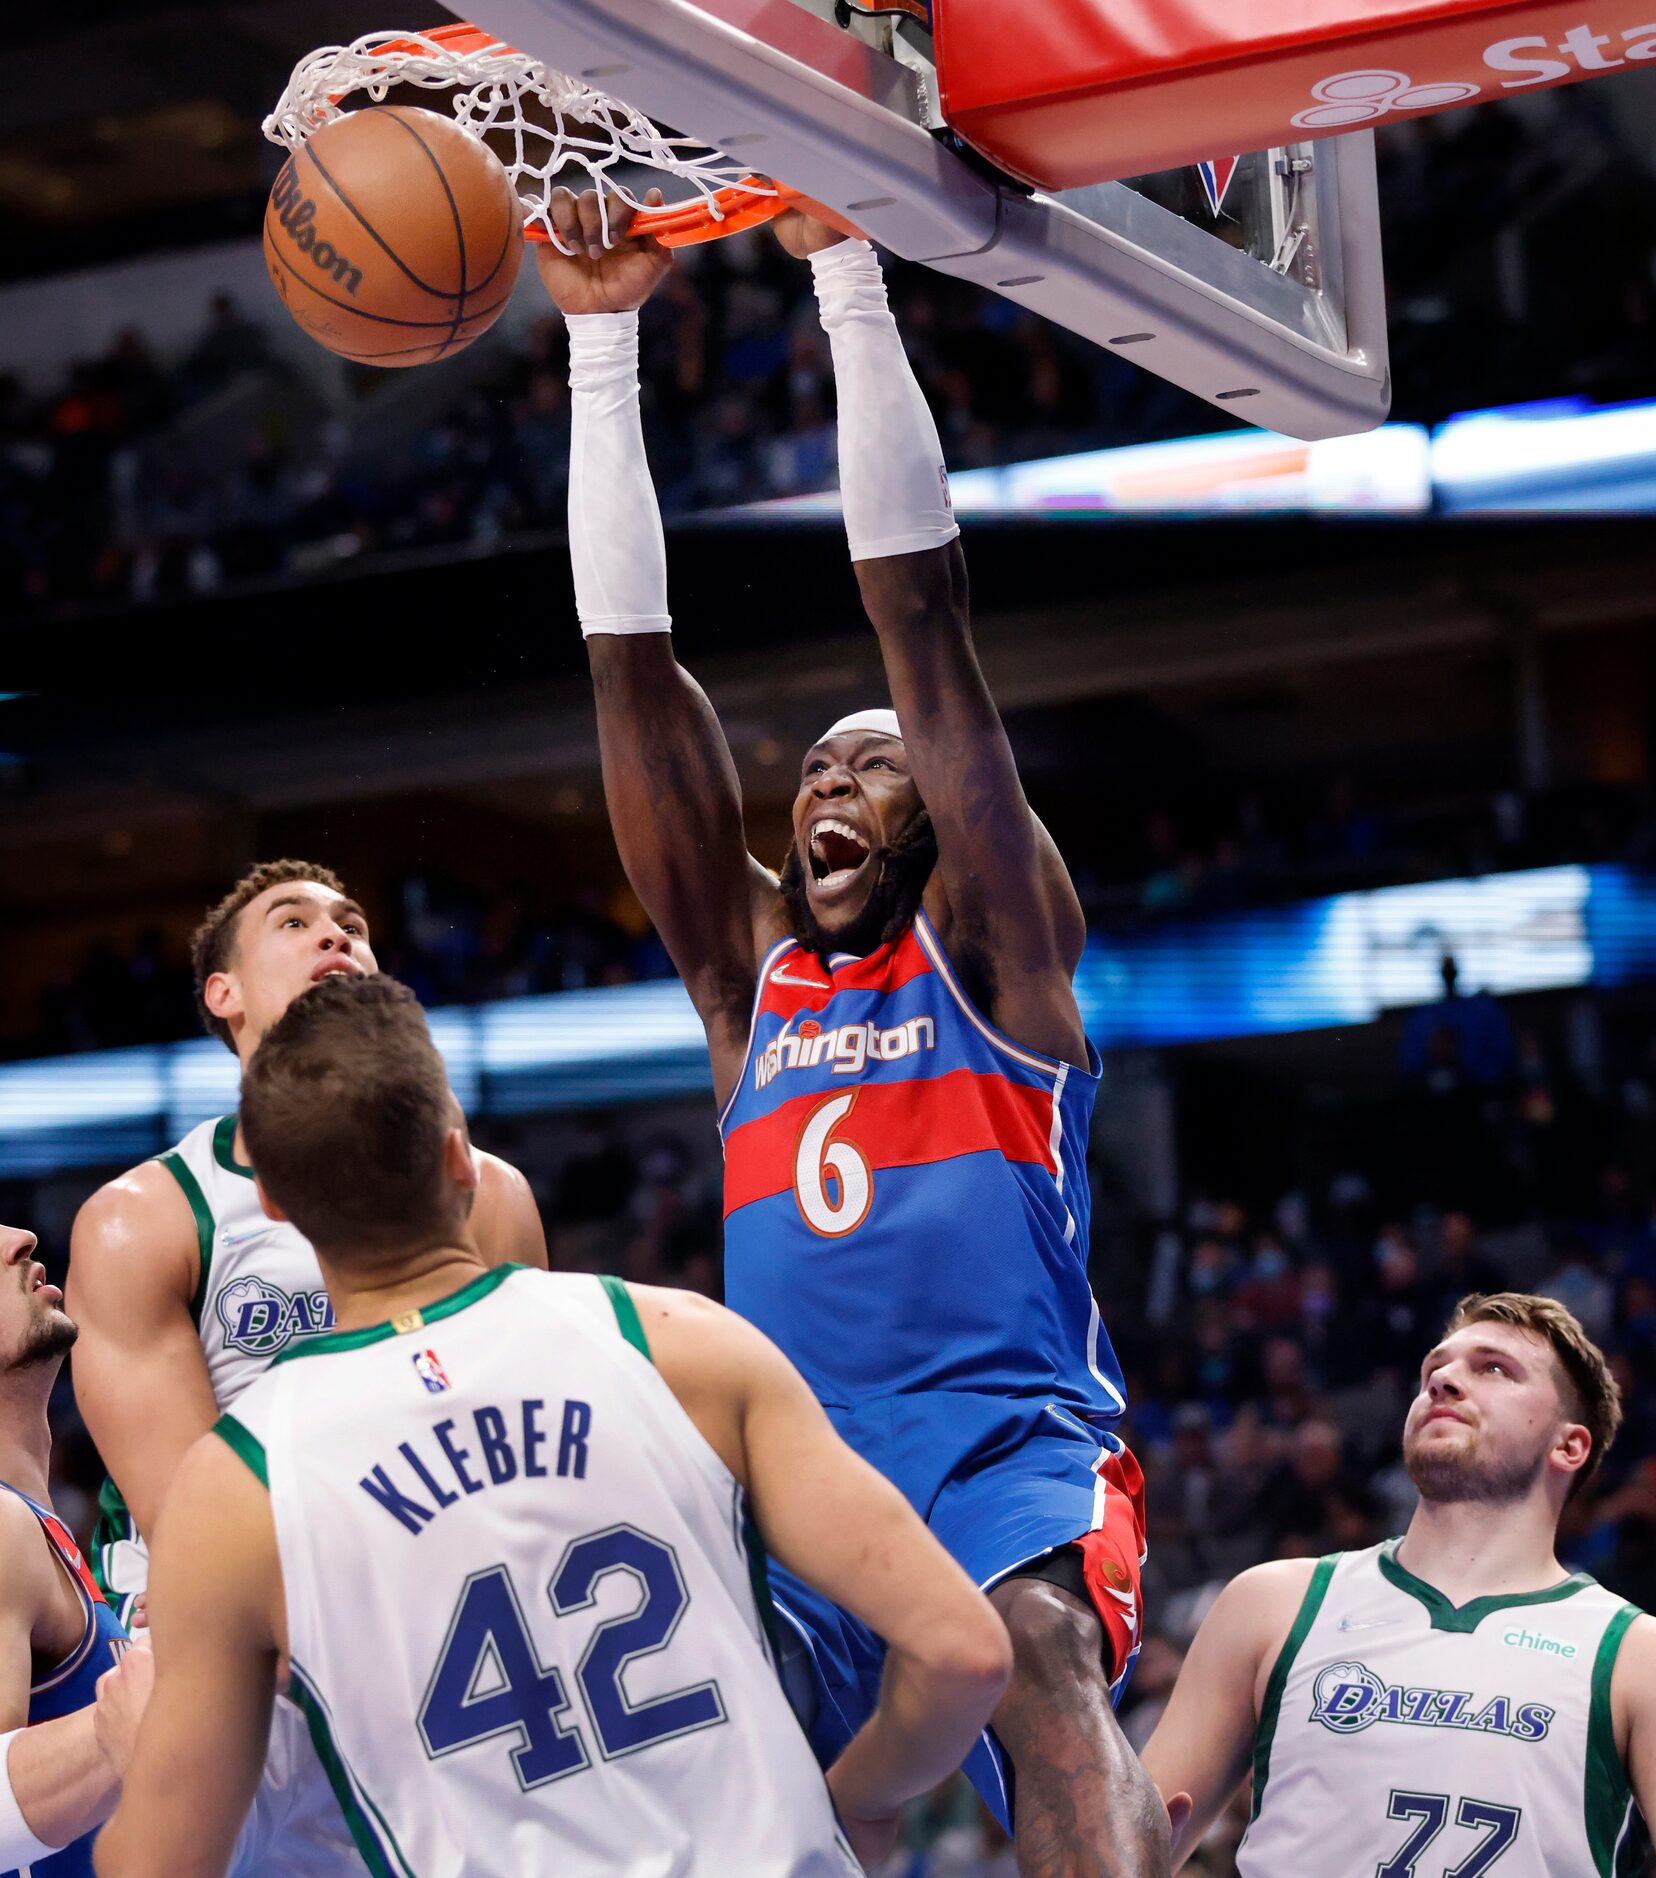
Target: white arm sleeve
point(893, 486)
point(19, 1848)
point(616, 546)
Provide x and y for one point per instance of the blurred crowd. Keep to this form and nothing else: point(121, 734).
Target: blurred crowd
point(458, 943)
point(141, 477)
point(1218, 850)
point(451, 943)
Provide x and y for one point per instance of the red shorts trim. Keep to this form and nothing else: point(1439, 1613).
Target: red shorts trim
point(1112, 1560)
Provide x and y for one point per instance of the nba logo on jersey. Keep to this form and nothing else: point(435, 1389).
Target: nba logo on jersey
point(430, 1371)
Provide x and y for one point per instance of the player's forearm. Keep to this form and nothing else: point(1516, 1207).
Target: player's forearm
point(669, 781)
point(186, 1795)
point(157, 1842)
point(616, 548)
point(61, 1780)
point(1197, 1763)
point(928, 1717)
point(893, 486)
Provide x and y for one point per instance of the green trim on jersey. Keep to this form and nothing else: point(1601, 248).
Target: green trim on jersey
point(115, 1526)
point(242, 1442)
point(1271, 1708)
point(373, 1835)
point(627, 1319)
point(224, 1148)
point(1465, 1618)
point(176, 1165)
point(337, 1340)
point(1608, 1796)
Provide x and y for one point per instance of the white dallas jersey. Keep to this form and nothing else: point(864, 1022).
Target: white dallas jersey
point(526, 1615)
point(260, 1289)
point(1403, 1737)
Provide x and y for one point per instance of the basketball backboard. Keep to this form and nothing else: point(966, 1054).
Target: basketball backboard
point(1272, 310)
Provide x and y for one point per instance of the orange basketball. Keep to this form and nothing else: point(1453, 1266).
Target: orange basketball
point(393, 237)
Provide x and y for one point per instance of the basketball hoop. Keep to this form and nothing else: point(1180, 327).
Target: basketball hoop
point(587, 129)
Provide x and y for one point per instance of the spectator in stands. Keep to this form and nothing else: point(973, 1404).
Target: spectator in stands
point(1313, 1504)
point(1461, 1267)
point(230, 345)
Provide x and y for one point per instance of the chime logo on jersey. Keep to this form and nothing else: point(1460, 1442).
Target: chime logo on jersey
point(1349, 1697)
point(259, 1317)
point(430, 1371)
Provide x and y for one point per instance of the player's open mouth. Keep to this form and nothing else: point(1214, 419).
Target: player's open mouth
point(342, 968)
point(837, 851)
point(38, 1284)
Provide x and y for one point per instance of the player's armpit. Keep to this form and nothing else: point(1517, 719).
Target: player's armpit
point(505, 1219)
point(134, 1265)
point(21, 1554)
point(60, 1777)
point(1633, 1710)
point(217, 1622)
point(1203, 1741)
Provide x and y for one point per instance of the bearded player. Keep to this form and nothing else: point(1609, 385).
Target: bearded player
point(1454, 1702)
point(185, 1292)
point(905, 1100)
point(71, 1691)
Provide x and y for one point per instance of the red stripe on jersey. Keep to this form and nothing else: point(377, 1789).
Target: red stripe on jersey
point(799, 982)
point(887, 969)
point(896, 1124)
point(71, 1554)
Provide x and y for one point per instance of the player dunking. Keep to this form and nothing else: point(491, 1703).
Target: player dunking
point(905, 1099)
point(71, 1691)
point(185, 1291)
point(1453, 1703)
point(494, 1533)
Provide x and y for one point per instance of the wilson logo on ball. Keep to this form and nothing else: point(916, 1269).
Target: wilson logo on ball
point(296, 212)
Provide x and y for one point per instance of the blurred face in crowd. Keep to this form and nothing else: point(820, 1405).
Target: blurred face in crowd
point(1459, 1237)
point(287, 939)
point(33, 1326)
point(1489, 1421)
point(1317, 1454)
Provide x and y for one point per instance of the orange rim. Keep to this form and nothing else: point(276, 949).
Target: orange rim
point(678, 224)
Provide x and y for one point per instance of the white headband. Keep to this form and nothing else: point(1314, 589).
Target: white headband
point(880, 723)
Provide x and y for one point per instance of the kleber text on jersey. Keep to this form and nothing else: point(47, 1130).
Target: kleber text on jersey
point(450, 1460)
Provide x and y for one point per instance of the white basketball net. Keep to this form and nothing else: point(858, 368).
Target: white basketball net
point(586, 128)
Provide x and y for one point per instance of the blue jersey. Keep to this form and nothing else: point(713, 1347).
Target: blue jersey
point(73, 1683)
point(906, 1199)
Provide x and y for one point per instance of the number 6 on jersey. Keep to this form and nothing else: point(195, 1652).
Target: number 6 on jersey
point(820, 1159)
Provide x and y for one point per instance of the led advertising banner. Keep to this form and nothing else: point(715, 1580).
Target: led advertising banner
point(1342, 960)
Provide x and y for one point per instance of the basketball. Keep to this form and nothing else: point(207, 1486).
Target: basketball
point(393, 237)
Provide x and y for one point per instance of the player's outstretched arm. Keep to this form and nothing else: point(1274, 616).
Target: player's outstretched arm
point(1204, 1739)
point(1012, 910)
point(60, 1778)
point(216, 1618)
point(828, 1516)
point(674, 800)
point(134, 1267)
